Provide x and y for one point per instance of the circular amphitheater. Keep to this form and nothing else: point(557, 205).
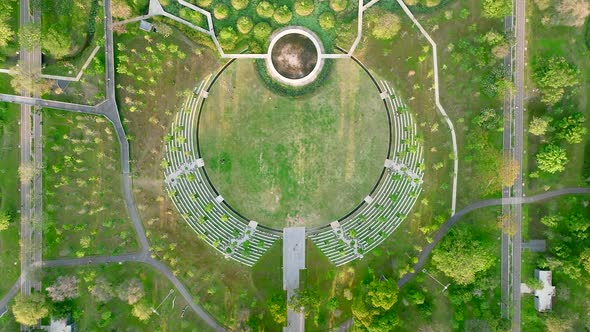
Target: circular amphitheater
point(350, 237)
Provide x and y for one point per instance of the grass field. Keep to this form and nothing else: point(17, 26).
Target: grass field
point(568, 42)
point(115, 315)
point(9, 194)
point(296, 161)
point(85, 211)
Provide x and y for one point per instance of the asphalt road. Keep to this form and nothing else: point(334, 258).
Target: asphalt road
point(520, 17)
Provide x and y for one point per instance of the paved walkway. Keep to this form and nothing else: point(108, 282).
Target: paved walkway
point(293, 262)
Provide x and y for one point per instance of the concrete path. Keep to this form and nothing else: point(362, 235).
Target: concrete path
point(438, 104)
point(293, 262)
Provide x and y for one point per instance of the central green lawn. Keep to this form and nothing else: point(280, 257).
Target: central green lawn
point(294, 161)
point(9, 194)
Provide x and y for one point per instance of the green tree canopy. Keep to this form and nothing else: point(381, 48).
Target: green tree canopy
point(6, 32)
point(142, 310)
point(278, 308)
point(553, 76)
point(304, 7)
point(385, 25)
point(382, 293)
point(220, 11)
point(29, 36)
point(552, 159)
point(4, 220)
point(538, 126)
point(28, 310)
point(244, 24)
point(262, 31)
point(239, 4)
point(461, 257)
point(572, 128)
point(282, 15)
point(55, 43)
point(327, 20)
point(265, 9)
point(497, 8)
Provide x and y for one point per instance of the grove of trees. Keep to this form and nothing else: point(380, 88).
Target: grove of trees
point(553, 76)
point(372, 308)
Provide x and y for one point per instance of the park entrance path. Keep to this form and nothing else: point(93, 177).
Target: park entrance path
point(293, 261)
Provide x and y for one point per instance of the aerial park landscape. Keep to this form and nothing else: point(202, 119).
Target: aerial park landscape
point(329, 165)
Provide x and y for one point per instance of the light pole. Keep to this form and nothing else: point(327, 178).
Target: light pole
point(433, 278)
point(155, 311)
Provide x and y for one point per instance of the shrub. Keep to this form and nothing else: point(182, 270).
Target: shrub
point(338, 5)
point(244, 24)
point(239, 4)
point(432, 3)
point(204, 3)
point(265, 9)
point(327, 20)
point(304, 7)
point(220, 11)
point(282, 15)
point(262, 31)
point(228, 38)
point(385, 26)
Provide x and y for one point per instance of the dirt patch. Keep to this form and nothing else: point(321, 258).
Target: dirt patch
point(294, 56)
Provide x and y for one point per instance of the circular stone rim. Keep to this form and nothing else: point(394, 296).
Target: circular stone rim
point(319, 49)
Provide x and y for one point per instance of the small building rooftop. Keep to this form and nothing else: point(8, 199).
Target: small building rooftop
point(544, 296)
point(146, 26)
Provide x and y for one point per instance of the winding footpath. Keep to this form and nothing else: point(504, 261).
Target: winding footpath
point(446, 227)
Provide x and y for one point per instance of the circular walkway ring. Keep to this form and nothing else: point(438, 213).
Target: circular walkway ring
point(319, 49)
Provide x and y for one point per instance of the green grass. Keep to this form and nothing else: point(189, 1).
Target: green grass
point(9, 194)
point(8, 56)
point(82, 188)
point(567, 42)
point(296, 161)
point(89, 314)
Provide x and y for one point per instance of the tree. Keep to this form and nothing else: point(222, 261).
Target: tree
point(27, 172)
point(220, 11)
point(509, 171)
point(239, 4)
point(142, 310)
point(163, 29)
point(28, 310)
point(304, 7)
point(304, 301)
point(572, 128)
point(65, 287)
point(262, 31)
point(244, 24)
point(538, 126)
point(55, 43)
point(102, 290)
point(507, 224)
point(497, 8)
point(228, 38)
point(585, 259)
point(6, 32)
point(461, 257)
point(385, 25)
point(265, 9)
point(338, 5)
point(29, 36)
point(277, 308)
point(572, 12)
point(382, 293)
point(4, 221)
point(327, 20)
point(131, 290)
point(120, 9)
point(552, 159)
point(553, 76)
point(534, 284)
point(282, 15)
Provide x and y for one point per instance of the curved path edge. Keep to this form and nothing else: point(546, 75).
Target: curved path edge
point(447, 225)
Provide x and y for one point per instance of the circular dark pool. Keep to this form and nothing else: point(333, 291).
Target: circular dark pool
point(294, 56)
